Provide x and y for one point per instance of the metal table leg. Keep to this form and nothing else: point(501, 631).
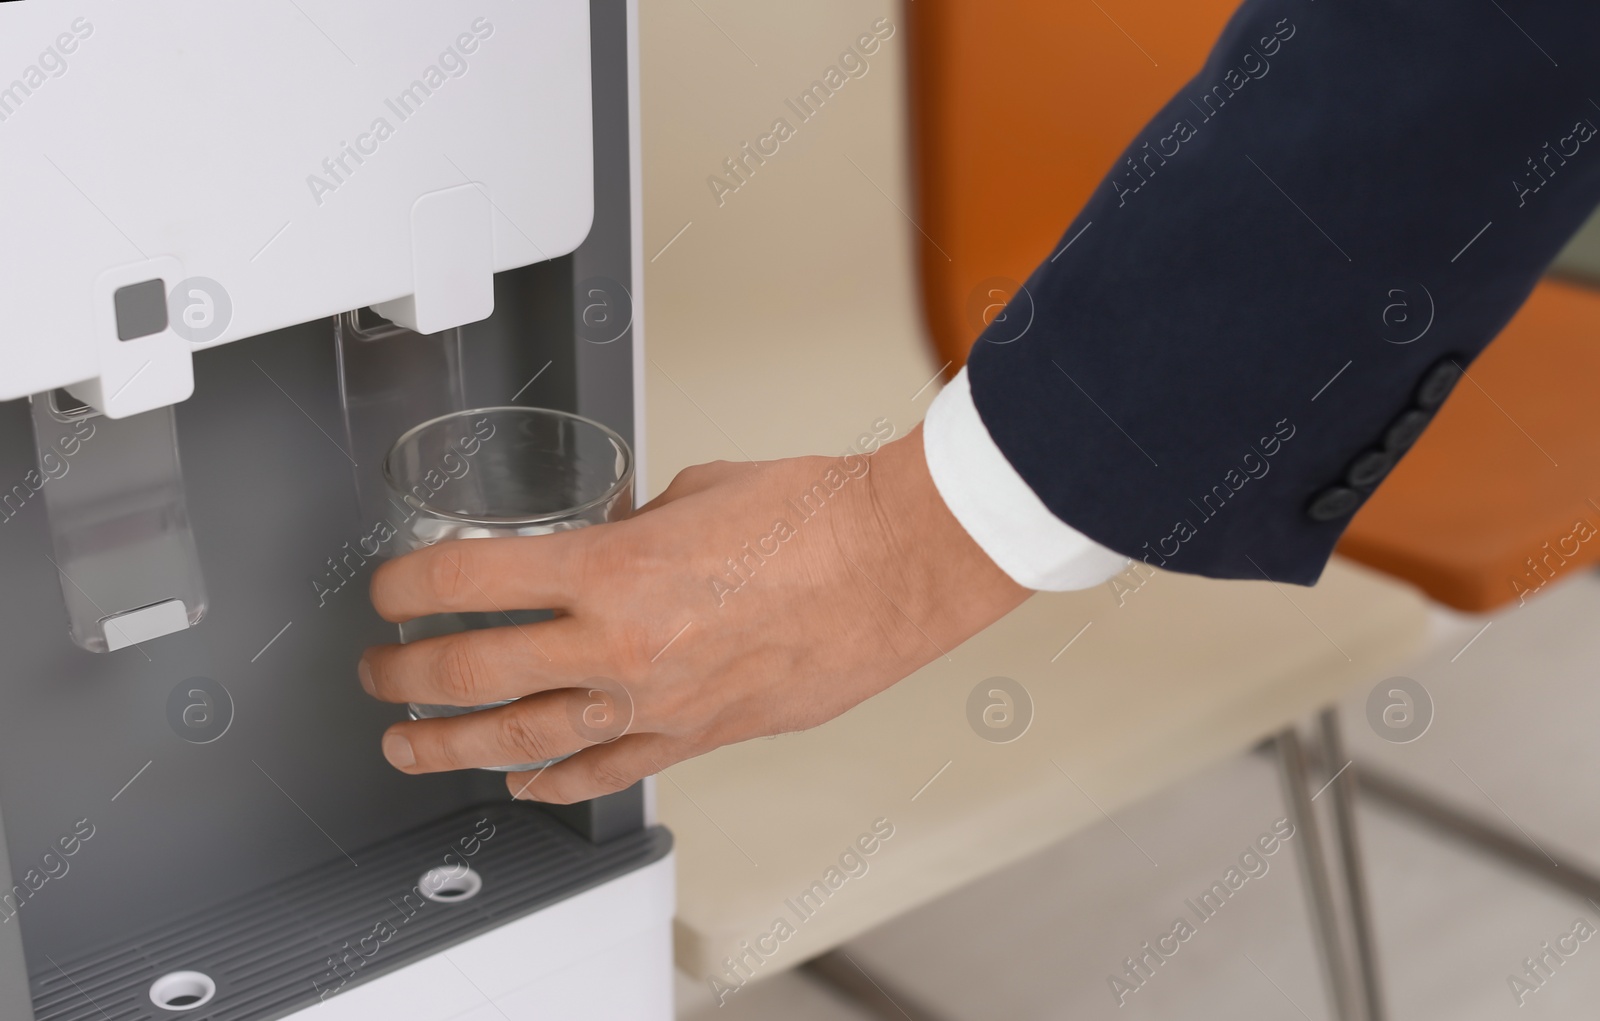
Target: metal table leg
point(1518, 851)
point(1344, 785)
point(1325, 926)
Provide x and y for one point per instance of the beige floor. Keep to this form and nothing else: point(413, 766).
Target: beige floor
point(1514, 733)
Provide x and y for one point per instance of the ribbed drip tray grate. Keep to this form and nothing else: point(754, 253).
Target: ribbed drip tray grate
point(272, 950)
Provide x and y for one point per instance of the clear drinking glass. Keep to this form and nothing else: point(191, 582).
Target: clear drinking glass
point(494, 472)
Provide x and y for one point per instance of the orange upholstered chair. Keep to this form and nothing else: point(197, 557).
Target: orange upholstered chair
point(1020, 107)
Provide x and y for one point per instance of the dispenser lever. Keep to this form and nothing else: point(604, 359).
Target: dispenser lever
point(119, 524)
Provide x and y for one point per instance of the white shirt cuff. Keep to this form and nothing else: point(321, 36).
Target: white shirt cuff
point(998, 509)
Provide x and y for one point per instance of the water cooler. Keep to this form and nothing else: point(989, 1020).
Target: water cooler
point(242, 247)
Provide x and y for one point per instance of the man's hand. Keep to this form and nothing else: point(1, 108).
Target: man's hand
point(747, 599)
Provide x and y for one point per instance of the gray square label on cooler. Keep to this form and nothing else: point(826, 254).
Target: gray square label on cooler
point(141, 309)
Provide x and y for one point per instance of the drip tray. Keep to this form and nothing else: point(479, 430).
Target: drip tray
point(269, 953)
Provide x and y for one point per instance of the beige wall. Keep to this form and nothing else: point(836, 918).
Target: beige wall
point(787, 314)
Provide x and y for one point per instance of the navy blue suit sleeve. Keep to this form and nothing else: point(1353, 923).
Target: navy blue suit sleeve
point(1267, 297)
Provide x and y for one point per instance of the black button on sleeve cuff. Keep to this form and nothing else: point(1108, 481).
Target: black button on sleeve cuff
point(1405, 430)
point(1437, 383)
point(1333, 502)
point(1369, 468)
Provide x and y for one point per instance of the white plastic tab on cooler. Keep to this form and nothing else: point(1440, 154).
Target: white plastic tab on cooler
point(144, 363)
point(452, 256)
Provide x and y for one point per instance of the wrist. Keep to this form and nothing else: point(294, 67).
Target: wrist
point(934, 554)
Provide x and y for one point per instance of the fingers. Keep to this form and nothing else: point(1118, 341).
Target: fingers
point(532, 729)
point(601, 769)
point(474, 667)
point(482, 575)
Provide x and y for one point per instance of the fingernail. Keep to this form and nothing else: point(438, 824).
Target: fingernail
point(398, 751)
point(365, 673)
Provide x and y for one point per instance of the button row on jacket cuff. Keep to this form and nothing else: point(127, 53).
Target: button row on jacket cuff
point(1368, 469)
